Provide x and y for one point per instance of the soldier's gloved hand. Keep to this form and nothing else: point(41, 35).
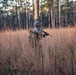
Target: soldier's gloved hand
point(43, 35)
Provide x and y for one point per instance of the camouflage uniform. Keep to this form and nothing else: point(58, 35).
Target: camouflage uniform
point(37, 32)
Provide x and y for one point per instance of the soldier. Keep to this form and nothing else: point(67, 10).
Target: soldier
point(36, 31)
point(36, 34)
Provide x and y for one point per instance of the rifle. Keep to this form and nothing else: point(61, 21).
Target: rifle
point(38, 34)
point(46, 34)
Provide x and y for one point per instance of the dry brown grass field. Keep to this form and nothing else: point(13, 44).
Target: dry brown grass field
point(56, 55)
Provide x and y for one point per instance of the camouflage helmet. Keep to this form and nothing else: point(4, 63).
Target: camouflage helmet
point(37, 24)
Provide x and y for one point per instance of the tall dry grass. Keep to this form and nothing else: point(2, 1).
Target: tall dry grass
point(55, 55)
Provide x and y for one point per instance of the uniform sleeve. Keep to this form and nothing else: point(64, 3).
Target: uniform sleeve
point(35, 30)
point(39, 31)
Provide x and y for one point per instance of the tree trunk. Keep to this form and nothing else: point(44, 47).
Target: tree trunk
point(36, 9)
point(74, 16)
point(66, 15)
point(17, 16)
point(18, 20)
point(53, 15)
point(26, 15)
point(59, 14)
point(66, 18)
point(0, 19)
point(41, 13)
point(49, 18)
